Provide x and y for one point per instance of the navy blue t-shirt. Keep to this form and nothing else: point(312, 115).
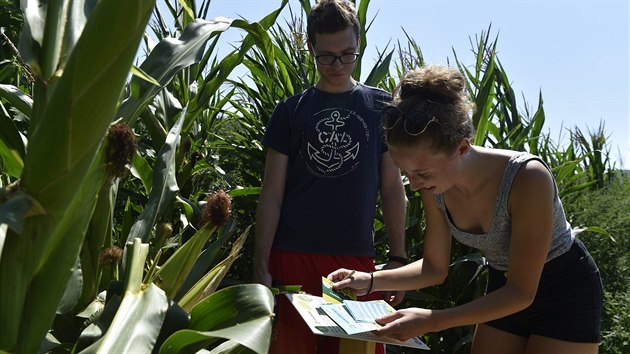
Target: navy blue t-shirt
point(334, 142)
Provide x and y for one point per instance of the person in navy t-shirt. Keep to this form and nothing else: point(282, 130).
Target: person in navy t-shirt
point(326, 164)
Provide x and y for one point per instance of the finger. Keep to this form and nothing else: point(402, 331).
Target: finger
point(388, 318)
point(387, 296)
point(396, 298)
point(394, 331)
point(394, 301)
point(343, 283)
point(386, 331)
point(338, 274)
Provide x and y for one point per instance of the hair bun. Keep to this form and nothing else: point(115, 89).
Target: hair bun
point(441, 84)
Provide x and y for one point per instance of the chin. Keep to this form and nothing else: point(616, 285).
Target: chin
point(338, 78)
point(433, 190)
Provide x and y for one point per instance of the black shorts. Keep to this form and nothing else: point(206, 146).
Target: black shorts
point(568, 303)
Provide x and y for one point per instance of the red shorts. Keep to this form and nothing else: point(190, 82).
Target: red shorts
point(291, 334)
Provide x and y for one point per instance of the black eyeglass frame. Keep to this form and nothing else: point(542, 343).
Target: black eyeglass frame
point(392, 115)
point(337, 57)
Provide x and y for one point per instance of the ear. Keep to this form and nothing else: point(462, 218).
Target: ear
point(464, 147)
point(311, 51)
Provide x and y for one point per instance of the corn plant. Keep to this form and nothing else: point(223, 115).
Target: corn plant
point(597, 163)
point(59, 240)
point(500, 124)
point(64, 164)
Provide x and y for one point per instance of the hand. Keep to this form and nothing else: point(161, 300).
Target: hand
point(407, 323)
point(393, 297)
point(358, 283)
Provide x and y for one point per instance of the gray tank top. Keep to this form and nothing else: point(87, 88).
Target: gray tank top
point(495, 244)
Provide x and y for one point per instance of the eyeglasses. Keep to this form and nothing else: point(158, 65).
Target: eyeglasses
point(328, 59)
point(414, 122)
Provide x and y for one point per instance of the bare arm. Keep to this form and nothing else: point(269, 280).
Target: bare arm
point(531, 212)
point(393, 202)
point(268, 212)
point(432, 269)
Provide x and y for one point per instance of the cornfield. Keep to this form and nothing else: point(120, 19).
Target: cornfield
point(128, 190)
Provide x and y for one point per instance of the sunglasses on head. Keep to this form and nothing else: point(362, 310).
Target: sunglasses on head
point(414, 122)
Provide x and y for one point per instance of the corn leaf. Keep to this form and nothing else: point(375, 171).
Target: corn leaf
point(4, 228)
point(164, 185)
point(99, 230)
point(362, 15)
point(174, 271)
point(257, 35)
point(21, 101)
point(209, 283)
point(136, 71)
point(168, 58)
point(596, 230)
point(231, 347)
point(52, 28)
point(206, 260)
point(12, 146)
point(244, 191)
point(10, 161)
point(306, 5)
point(380, 70)
point(485, 104)
point(538, 121)
point(241, 313)
point(82, 105)
point(137, 322)
point(73, 289)
point(141, 169)
point(54, 257)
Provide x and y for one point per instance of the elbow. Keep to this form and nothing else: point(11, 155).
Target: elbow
point(438, 275)
point(523, 298)
point(440, 278)
point(528, 299)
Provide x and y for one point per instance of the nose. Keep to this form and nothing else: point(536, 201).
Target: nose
point(336, 64)
point(415, 183)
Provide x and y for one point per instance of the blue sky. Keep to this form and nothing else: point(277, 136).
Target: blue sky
point(574, 52)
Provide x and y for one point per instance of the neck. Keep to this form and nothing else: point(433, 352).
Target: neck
point(327, 87)
point(471, 178)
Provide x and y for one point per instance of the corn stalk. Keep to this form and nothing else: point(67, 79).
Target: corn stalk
point(81, 71)
point(56, 219)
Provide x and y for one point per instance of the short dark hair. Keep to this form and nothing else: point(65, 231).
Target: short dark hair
point(331, 16)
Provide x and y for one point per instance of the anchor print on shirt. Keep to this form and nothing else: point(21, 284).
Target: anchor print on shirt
point(333, 147)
